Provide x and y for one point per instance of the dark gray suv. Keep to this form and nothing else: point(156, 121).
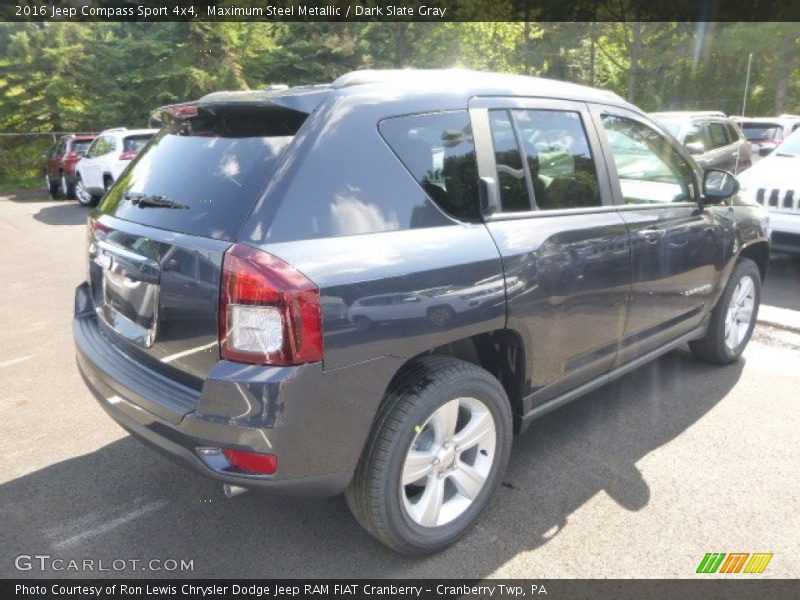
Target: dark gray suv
point(369, 286)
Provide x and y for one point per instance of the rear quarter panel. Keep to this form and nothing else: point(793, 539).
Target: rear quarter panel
point(452, 270)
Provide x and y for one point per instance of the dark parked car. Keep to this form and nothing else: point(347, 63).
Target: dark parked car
point(61, 159)
point(226, 261)
point(767, 133)
point(713, 139)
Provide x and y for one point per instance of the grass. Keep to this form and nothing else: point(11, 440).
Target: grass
point(28, 183)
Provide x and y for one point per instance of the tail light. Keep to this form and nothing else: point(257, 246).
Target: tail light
point(269, 312)
point(127, 155)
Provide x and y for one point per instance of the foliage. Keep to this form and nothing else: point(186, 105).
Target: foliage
point(90, 76)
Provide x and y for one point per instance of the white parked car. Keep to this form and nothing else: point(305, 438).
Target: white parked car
point(774, 182)
point(105, 160)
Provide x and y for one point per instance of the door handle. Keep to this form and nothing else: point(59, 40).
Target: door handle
point(651, 234)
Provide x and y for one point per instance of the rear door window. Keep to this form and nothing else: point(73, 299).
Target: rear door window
point(718, 134)
point(697, 133)
point(205, 172)
point(555, 162)
point(439, 151)
point(511, 176)
point(102, 146)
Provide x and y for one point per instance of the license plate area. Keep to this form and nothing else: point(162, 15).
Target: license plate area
point(130, 286)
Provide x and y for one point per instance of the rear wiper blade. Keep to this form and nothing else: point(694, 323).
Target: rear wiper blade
point(155, 200)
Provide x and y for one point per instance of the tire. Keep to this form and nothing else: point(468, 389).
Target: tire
point(411, 420)
point(82, 194)
point(733, 318)
point(67, 188)
point(362, 323)
point(50, 185)
point(107, 183)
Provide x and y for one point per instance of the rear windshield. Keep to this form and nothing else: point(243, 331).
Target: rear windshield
point(134, 143)
point(201, 176)
point(760, 131)
point(81, 146)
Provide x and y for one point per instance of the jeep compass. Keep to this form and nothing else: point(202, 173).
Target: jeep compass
point(370, 286)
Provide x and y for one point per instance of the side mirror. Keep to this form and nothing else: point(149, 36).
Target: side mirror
point(695, 147)
point(719, 185)
point(765, 150)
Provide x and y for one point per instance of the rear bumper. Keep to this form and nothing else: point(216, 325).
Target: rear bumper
point(315, 421)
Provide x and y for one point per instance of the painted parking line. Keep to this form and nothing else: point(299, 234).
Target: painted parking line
point(110, 525)
point(14, 361)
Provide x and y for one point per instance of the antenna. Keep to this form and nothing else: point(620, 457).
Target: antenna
point(747, 82)
point(744, 100)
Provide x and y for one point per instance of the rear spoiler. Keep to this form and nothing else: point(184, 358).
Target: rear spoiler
point(303, 100)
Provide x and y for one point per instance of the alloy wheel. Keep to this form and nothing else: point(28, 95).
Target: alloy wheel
point(448, 462)
point(740, 312)
point(81, 193)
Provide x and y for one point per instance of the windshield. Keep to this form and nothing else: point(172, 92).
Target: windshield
point(760, 131)
point(791, 146)
point(212, 167)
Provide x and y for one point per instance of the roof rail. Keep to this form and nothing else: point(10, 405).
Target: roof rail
point(697, 113)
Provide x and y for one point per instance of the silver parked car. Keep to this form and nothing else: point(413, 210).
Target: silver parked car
point(714, 139)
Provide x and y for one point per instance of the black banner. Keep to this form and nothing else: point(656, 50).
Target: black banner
point(734, 588)
point(400, 10)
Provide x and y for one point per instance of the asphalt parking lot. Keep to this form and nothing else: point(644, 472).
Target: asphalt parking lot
point(639, 479)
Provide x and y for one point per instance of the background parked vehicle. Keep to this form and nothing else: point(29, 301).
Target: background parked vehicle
point(713, 139)
point(766, 133)
point(105, 160)
point(569, 239)
point(61, 160)
point(774, 182)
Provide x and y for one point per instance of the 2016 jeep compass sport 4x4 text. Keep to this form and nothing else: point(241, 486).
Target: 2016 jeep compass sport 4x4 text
point(368, 287)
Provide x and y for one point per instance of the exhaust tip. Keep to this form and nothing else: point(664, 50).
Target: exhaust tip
point(232, 490)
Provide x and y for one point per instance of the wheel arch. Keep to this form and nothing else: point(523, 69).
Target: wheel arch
point(758, 252)
point(500, 352)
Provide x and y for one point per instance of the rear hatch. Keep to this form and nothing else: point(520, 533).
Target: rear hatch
point(156, 243)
